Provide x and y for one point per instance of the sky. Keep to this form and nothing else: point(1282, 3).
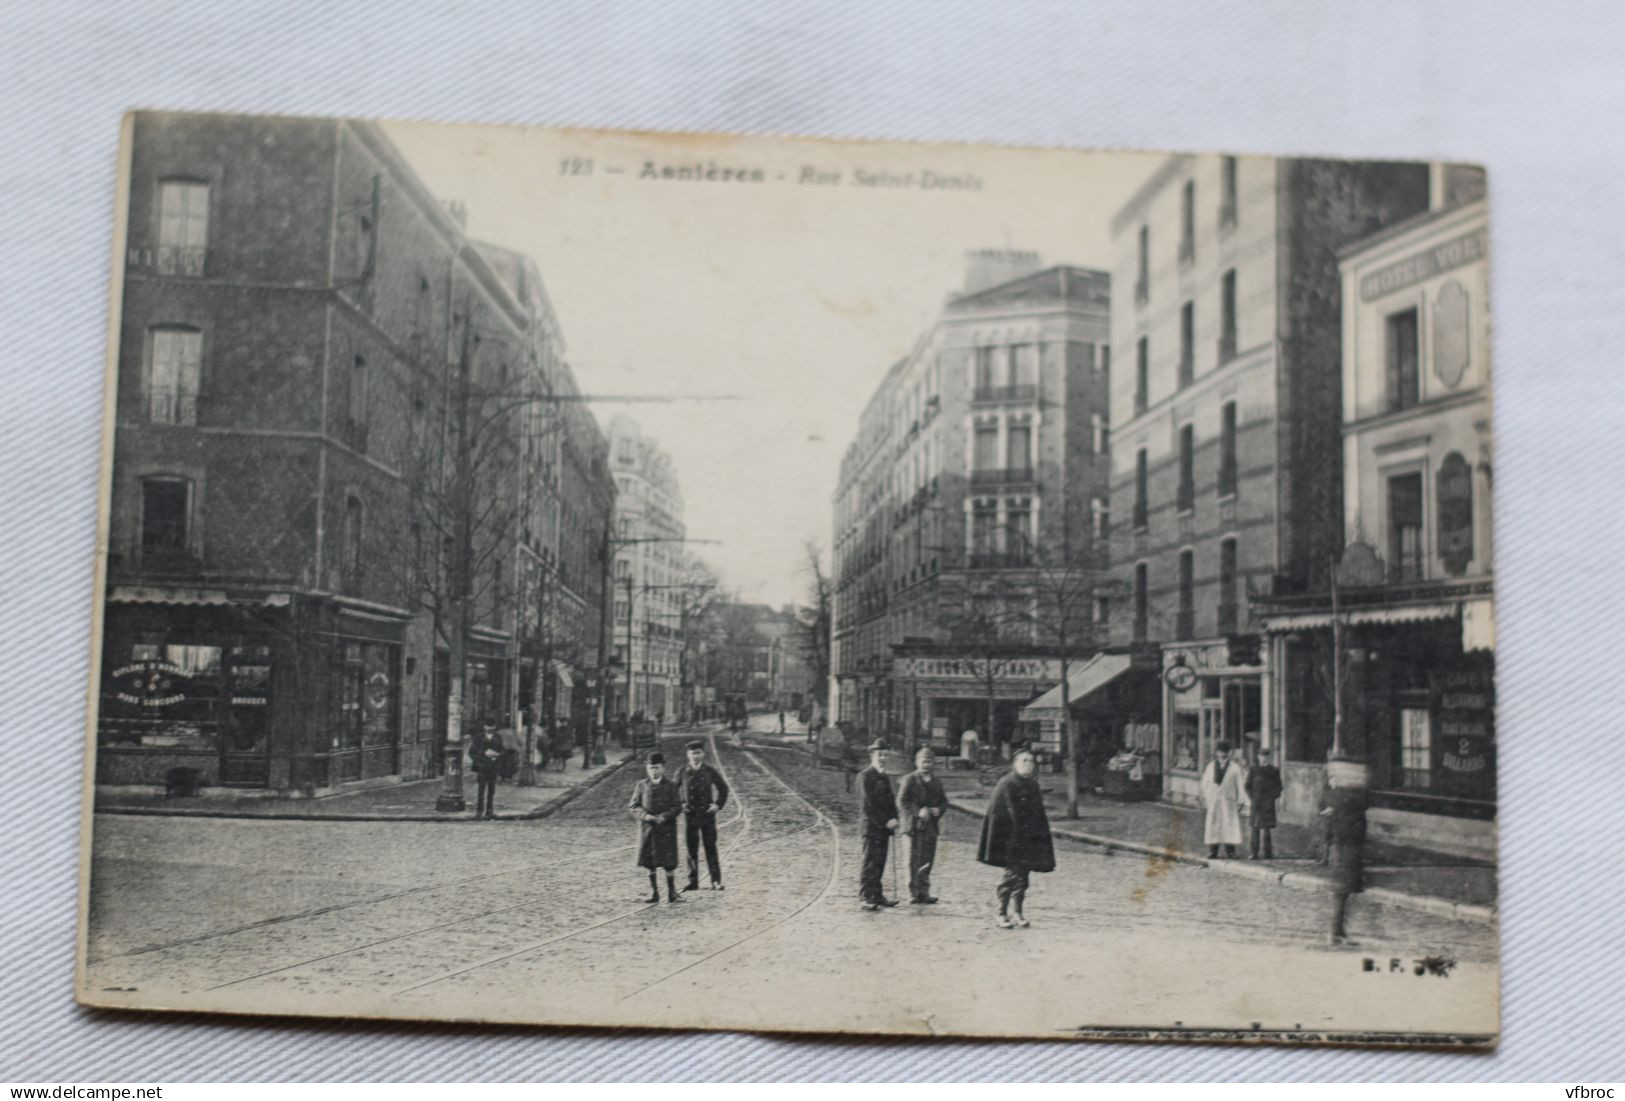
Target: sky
point(791, 291)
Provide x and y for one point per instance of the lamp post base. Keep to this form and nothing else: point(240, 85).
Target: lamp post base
point(450, 804)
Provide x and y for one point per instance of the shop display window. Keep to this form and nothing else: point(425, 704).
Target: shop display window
point(1186, 741)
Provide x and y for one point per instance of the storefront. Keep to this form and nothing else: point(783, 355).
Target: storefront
point(1212, 691)
point(358, 701)
point(939, 696)
point(1115, 703)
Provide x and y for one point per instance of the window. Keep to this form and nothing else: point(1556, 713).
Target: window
point(1100, 516)
point(166, 508)
point(1187, 344)
point(1186, 628)
point(984, 524)
point(620, 611)
point(1227, 192)
point(1227, 317)
point(1141, 490)
point(1227, 449)
point(1405, 527)
point(175, 370)
point(1103, 611)
point(1019, 531)
point(1142, 281)
point(1187, 223)
point(1187, 468)
point(1142, 374)
point(986, 456)
point(356, 423)
point(351, 564)
point(1227, 587)
point(1415, 747)
point(183, 226)
point(1404, 382)
point(1099, 434)
point(988, 369)
point(1023, 364)
point(1018, 447)
point(1142, 603)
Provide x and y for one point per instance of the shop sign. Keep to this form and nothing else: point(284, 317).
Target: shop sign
point(1466, 724)
point(1179, 676)
point(149, 684)
point(1243, 650)
point(1425, 265)
point(1455, 514)
point(1004, 669)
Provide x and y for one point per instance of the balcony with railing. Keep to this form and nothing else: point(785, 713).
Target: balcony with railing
point(171, 407)
point(181, 260)
point(1002, 476)
point(993, 395)
point(999, 560)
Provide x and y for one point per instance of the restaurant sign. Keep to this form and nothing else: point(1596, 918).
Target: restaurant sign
point(1425, 265)
point(149, 684)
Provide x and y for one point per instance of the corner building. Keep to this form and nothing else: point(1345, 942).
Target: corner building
point(1226, 416)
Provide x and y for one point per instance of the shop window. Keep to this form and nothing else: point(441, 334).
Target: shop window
point(1186, 628)
point(174, 374)
point(1405, 527)
point(166, 507)
point(1142, 375)
point(1186, 741)
point(159, 694)
point(1404, 381)
point(1415, 748)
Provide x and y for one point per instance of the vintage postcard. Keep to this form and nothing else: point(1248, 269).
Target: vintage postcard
point(686, 581)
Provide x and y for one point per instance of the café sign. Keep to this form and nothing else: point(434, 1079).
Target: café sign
point(150, 684)
point(1425, 265)
point(1003, 669)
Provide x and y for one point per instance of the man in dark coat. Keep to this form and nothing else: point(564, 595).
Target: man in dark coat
point(879, 822)
point(485, 754)
point(1015, 835)
point(1343, 806)
point(655, 806)
point(1263, 789)
point(921, 802)
point(704, 793)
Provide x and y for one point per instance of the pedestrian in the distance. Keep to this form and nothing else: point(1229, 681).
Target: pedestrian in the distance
point(921, 803)
point(704, 793)
point(879, 819)
point(1343, 807)
point(1264, 787)
point(655, 806)
point(1016, 837)
point(781, 720)
point(1222, 796)
point(485, 753)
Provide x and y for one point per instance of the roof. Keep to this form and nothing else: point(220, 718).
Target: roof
point(1061, 283)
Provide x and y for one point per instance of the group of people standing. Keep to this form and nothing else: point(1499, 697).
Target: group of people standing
point(1015, 833)
point(697, 793)
point(1231, 791)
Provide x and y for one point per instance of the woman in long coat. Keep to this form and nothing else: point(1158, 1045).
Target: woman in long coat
point(1223, 796)
point(1016, 837)
point(655, 805)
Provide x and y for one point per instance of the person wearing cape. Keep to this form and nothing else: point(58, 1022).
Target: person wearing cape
point(1016, 836)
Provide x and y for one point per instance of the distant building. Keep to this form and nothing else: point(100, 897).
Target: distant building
point(758, 655)
point(647, 582)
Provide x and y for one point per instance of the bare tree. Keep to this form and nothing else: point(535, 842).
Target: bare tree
point(815, 620)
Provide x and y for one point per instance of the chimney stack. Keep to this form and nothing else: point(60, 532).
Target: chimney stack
point(988, 267)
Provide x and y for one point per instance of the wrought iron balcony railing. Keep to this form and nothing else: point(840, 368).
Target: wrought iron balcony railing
point(986, 395)
point(1002, 476)
point(171, 407)
point(182, 260)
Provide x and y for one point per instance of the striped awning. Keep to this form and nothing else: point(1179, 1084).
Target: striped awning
point(1400, 613)
point(175, 594)
point(1093, 675)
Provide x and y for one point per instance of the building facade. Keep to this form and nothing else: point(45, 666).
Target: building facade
point(981, 468)
point(1225, 483)
point(648, 580)
point(1416, 581)
point(295, 337)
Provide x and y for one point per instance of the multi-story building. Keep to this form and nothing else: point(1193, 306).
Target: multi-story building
point(757, 655)
point(649, 593)
point(1415, 595)
point(300, 322)
point(985, 474)
point(1226, 420)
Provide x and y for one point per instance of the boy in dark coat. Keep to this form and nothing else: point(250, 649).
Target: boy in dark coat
point(1263, 789)
point(1344, 807)
point(879, 820)
point(704, 793)
point(921, 801)
point(485, 753)
point(655, 806)
point(1015, 835)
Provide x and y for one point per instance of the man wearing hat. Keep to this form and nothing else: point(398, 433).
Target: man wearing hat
point(922, 802)
point(655, 806)
point(879, 820)
point(485, 753)
point(704, 793)
point(1263, 789)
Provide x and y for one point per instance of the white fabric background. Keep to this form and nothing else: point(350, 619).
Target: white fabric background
point(1532, 90)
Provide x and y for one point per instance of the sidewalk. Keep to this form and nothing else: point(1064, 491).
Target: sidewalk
point(1416, 879)
point(412, 801)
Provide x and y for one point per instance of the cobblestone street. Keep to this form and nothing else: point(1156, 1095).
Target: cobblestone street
point(543, 921)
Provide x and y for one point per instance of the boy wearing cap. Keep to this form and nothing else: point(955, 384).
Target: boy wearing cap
point(655, 806)
point(704, 792)
point(1263, 789)
point(879, 818)
point(922, 801)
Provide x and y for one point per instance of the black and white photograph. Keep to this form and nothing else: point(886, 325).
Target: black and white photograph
point(694, 581)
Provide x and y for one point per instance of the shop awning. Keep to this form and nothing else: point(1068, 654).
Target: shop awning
point(1089, 677)
point(1402, 613)
point(562, 672)
point(173, 594)
point(1478, 625)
